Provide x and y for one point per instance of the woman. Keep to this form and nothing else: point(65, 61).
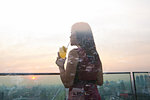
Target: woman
point(84, 69)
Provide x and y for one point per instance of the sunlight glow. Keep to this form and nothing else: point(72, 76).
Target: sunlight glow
point(33, 77)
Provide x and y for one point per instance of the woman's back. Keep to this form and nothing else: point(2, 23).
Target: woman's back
point(87, 67)
point(85, 78)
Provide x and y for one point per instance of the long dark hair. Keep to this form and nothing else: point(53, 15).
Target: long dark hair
point(85, 38)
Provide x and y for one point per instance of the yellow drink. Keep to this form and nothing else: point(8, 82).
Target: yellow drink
point(62, 52)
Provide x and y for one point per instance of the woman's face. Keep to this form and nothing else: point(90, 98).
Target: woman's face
point(73, 39)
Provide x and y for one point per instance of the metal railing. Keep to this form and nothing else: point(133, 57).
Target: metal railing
point(130, 78)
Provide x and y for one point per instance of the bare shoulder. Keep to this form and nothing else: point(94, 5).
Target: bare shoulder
point(73, 52)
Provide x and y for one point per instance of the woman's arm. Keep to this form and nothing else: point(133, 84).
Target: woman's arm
point(68, 75)
point(100, 74)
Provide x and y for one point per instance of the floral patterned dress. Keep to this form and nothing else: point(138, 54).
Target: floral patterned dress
point(84, 86)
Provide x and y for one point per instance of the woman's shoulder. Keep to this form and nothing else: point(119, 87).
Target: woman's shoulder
point(74, 52)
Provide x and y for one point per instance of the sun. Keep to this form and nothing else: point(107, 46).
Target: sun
point(33, 77)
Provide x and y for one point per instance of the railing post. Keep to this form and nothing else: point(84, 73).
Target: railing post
point(133, 85)
point(2, 95)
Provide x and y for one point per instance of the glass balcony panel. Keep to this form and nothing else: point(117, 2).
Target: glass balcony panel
point(142, 83)
point(31, 87)
point(116, 87)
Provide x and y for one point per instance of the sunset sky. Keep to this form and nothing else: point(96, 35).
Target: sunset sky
point(31, 32)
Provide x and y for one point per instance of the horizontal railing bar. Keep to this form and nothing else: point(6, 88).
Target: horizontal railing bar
point(116, 73)
point(3, 74)
point(29, 73)
point(141, 72)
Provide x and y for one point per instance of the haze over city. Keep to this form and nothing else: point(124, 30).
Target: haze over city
point(32, 31)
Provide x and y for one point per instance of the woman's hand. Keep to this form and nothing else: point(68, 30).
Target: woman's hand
point(60, 62)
